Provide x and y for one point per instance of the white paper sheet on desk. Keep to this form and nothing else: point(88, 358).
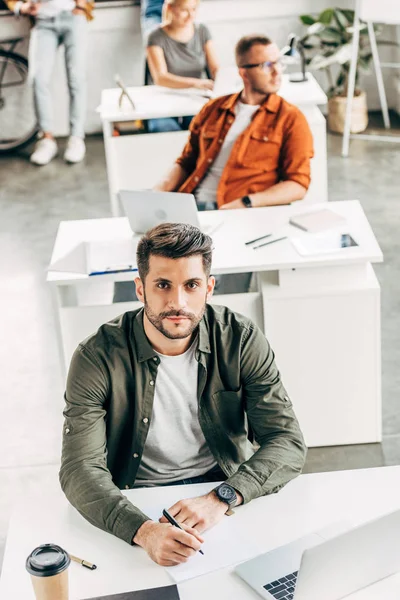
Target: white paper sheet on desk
point(224, 545)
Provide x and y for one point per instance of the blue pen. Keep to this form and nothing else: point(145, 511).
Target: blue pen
point(113, 271)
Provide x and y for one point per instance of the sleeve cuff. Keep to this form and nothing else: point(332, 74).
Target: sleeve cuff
point(245, 485)
point(128, 523)
point(299, 178)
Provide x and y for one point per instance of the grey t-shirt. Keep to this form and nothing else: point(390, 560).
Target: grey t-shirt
point(175, 446)
point(186, 59)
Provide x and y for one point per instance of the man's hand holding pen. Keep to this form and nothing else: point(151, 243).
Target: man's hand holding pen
point(168, 545)
point(202, 512)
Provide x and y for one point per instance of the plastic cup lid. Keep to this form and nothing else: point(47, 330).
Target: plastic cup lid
point(47, 560)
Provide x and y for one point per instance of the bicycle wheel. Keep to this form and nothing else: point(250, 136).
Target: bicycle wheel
point(18, 124)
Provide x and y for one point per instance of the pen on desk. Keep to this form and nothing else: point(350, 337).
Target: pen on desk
point(270, 242)
point(82, 562)
point(171, 520)
point(258, 239)
point(112, 271)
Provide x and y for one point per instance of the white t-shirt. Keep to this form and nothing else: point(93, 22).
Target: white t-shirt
point(52, 8)
point(175, 447)
point(207, 189)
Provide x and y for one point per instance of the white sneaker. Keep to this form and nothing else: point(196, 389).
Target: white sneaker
point(45, 150)
point(75, 150)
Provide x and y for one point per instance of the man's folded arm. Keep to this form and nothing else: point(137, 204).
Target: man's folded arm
point(297, 150)
point(84, 476)
point(282, 450)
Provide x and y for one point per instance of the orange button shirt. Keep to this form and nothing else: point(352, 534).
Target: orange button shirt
point(276, 146)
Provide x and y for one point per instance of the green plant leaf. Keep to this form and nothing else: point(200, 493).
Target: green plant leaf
point(326, 16)
point(349, 14)
point(307, 19)
point(331, 35)
point(340, 19)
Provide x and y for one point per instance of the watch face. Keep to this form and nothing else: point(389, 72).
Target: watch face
point(246, 201)
point(226, 492)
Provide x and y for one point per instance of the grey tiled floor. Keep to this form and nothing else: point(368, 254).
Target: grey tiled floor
point(34, 200)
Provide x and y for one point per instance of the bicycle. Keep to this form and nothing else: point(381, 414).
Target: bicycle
point(18, 123)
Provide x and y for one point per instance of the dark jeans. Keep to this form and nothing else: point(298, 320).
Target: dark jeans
point(216, 474)
point(168, 124)
point(150, 15)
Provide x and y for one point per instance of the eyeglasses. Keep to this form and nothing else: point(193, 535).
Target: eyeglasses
point(267, 66)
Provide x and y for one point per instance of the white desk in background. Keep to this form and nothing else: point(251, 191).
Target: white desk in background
point(307, 504)
point(321, 314)
point(138, 161)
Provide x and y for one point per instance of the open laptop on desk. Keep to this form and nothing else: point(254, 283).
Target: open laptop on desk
point(147, 208)
point(317, 568)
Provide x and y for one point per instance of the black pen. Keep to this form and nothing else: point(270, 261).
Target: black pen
point(258, 239)
point(175, 523)
point(270, 242)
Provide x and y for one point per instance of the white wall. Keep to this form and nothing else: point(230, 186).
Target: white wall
point(116, 45)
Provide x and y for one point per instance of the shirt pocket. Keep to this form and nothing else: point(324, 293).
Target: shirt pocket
point(262, 151)
point(207, 136)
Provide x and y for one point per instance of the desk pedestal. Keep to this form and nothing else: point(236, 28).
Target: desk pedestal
point(324, 327)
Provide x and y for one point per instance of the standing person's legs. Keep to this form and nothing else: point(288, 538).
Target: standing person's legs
point(74, 38)
point(150, 15)
point(42, 54)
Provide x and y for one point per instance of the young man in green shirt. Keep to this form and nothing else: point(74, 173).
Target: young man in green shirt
point(171, 394)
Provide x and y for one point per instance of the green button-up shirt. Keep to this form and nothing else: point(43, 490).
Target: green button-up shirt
point(109, 401)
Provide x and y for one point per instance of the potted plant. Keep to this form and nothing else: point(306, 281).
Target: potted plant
point(328, 43)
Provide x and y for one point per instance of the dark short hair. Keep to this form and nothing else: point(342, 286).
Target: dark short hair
point(173, 240)
point(246, 43)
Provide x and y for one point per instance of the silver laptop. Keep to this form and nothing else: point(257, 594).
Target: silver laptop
point(317, 568)
point(147, 208)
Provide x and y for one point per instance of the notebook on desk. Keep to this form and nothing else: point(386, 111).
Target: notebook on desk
point(98, 257)
point(317, 220)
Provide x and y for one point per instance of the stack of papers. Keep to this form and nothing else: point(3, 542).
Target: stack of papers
point(98, 258)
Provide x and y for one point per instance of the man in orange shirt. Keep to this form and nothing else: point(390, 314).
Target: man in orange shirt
point(249, 149)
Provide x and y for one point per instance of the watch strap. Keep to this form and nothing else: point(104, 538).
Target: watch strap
point(246, 201)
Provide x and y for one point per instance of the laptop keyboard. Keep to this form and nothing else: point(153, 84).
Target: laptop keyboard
point(283, 588)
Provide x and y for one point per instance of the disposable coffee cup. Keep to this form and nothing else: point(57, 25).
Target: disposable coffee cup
point(48, 567)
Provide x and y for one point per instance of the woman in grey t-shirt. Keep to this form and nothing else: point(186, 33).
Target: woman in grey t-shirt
point(179, 53)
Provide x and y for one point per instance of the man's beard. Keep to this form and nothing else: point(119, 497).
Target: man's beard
point(157, 321)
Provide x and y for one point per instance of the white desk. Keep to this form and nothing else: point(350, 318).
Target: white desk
point(321, 314)
point(307, 504)
point(138, 161)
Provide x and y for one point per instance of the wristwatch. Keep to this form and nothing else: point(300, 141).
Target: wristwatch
point(246, 201)
point(226, 493)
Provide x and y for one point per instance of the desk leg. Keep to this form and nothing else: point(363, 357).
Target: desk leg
point(111, 169)
point(56, 293)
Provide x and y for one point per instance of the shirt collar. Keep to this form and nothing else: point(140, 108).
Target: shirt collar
point(271, 104)
point(146, 350)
